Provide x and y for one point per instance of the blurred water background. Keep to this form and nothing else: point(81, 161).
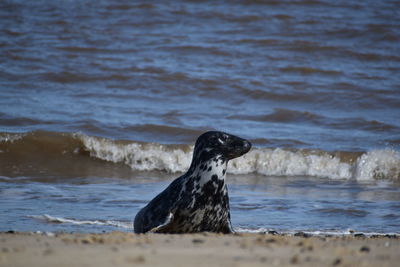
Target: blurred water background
point(101, 102)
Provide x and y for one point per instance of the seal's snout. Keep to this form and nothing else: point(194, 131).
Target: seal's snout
point(246, 146)
point(237, 147)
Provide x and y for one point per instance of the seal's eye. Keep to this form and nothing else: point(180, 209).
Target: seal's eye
point(223, 138)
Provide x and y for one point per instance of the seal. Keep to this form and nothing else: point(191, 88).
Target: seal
point(198, 200)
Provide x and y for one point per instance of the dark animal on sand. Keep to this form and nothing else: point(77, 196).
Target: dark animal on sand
point(198, 200)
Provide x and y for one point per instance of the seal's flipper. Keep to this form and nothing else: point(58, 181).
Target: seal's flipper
point(156, 215)
point(163, 226)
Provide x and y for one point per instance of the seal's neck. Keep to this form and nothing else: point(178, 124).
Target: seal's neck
point(214, 168)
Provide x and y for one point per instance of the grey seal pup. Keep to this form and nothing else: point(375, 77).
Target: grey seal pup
point(198, 200)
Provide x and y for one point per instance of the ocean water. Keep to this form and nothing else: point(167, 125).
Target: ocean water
point(102, 101)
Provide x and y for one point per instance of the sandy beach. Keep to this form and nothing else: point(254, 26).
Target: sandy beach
point(127, 249)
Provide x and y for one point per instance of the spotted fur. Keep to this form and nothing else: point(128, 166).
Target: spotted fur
point(198, 200)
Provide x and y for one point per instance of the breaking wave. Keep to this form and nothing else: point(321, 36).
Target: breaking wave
point(361, 166)
point(140, 156)
point(376, 164)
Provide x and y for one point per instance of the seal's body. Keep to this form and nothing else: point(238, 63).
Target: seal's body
point(198, 200)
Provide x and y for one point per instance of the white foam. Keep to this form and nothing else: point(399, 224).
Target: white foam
point(53, 219)
point(143, 157)
point(279, 162)
point(10, 138)
point(376, 164)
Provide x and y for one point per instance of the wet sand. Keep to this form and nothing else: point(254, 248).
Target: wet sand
point(127, 249)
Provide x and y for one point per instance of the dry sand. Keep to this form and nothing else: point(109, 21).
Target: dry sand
point(126, 249)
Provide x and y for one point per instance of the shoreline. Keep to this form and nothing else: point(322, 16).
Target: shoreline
point(240, 249)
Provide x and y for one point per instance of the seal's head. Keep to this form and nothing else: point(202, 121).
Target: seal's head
point(215, 144)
